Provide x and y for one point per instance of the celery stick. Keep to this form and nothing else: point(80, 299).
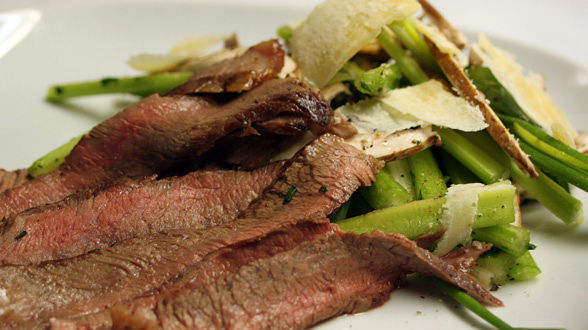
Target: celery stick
point(458, 173)
point(506, 237)
point(409, 67)
point(428, 179)
point(470, 303)
point(576, 177)
point(341, 212)
point(493, 268)
point(524, 268)
point(385, 191)
point(424, 216)
point(555, 198)
point(539, 133)
point(412, 40)
point(503, 207)
point(472, 156)
point(400, 171)
point(53, 159)
point(548, 149)
point(143, 85)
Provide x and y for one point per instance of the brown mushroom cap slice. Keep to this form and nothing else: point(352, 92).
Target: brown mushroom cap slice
point(453, 34)
point(454, 72)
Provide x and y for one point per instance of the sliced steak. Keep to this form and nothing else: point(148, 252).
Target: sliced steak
point(96, 281)
point(465, 257)
point(160, 133)
point(98, 219)
point(258, 64)
point(11, 179)
point(330, 274)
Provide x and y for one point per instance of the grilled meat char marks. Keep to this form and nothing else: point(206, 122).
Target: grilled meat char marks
point(160, 133)
point(258, 64)
point(329, 274)
point(96, 281)
point(98, 219)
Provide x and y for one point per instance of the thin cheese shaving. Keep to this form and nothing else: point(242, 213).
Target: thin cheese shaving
point(527, 90)
point(337, 29)
point(371, 115)
point(432, 103)
point(460, 209)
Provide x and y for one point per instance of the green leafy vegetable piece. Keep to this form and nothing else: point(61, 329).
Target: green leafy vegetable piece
point(500, 99)
point(379, 80)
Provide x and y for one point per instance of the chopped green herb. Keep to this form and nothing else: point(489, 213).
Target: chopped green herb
point(323, 189)
point(290, 194)
point(285, 32)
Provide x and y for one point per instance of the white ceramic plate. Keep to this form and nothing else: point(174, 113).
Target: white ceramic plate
point(80, 40)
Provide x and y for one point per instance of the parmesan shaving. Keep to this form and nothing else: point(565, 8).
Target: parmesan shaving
point(337, 29)
point(526, 90)
point(460, 209)
point(432, 103)
point(370, 115)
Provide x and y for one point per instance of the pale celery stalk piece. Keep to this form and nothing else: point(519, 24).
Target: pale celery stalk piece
point(496, 205)
point(337, 29)
point(52, 160)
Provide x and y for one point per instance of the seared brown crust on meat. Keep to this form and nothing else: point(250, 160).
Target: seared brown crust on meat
point(160, 133)
point(497, 130)
point(98, 280)
point(453, 34)
point(242, 73)
point(11, 179)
